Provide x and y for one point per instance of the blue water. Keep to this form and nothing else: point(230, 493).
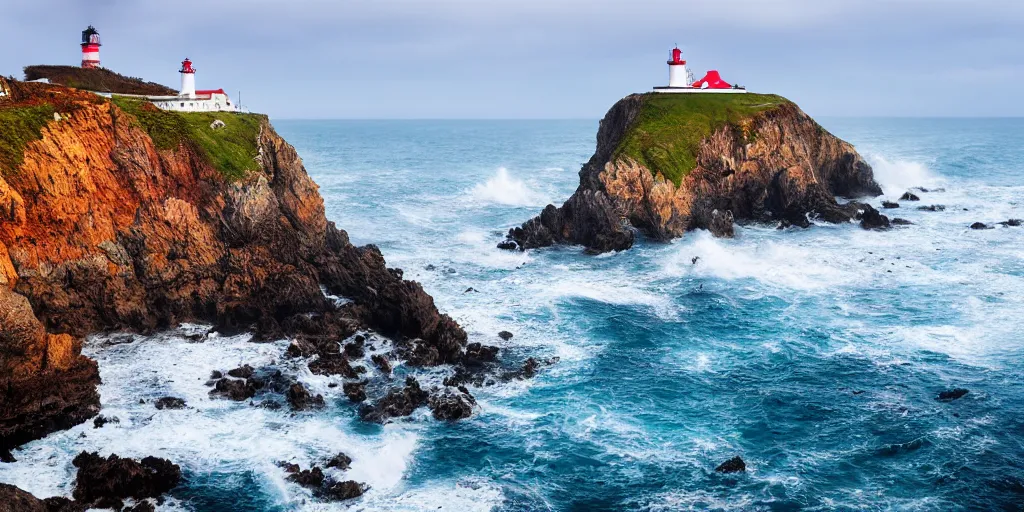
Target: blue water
point(816, 354)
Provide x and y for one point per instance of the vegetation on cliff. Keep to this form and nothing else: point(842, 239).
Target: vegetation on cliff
point(231, 149)
point(18, 127)
point(669, 128)
point(96, 79)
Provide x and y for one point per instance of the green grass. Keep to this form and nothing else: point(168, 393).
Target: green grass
point(232, 150)
point(18, 127)
point(670, 127)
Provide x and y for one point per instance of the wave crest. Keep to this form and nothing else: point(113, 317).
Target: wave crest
point(504, 189)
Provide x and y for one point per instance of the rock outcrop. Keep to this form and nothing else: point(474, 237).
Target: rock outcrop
point(107, 222)
point(666, 164)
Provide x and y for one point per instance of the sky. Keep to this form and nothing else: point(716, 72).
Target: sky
point(543, 58)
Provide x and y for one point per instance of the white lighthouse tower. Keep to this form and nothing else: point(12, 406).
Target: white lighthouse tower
point(90, 48)
point(188, 79)
point(677, 76)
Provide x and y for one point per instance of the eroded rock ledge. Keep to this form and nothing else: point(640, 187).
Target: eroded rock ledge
point(103, 226)
point(666, 164)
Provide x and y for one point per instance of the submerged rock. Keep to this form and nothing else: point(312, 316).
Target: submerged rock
point(170, 402)
point(953, 394)
point(1011, 223)
point(932, 208)
point(980, 225)
point(890, 204)
point(100, 421)
point(733, 465)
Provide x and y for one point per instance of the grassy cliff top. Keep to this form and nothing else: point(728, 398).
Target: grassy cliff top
point(667, 133)
point(232, 150)
point(96, 79)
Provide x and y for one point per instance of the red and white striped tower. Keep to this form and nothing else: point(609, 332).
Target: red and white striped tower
point(90, 48)
point(188, 79)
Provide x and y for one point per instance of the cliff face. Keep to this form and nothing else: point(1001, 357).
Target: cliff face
point(669, 163)
point(100, 230)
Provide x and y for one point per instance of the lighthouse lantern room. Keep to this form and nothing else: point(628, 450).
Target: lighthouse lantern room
point(90, 48)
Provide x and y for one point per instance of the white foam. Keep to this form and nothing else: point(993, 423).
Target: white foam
point(897, 176)
point(504, 189)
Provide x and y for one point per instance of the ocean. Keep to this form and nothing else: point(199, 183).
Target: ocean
point(816, 355)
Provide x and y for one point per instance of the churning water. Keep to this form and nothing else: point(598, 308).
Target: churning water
point(814, 354)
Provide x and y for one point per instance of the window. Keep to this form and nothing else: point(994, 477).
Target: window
point(183, 103)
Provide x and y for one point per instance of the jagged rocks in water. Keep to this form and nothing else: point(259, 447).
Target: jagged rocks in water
point(100, 421)
point(6, 456)
point(890, 204)
point(896, 221)
point(398, 402)
point(505, 335)
point(333, 364)
point(478, 354)
point(932, 208)
point(356, 349)
point(872, 219)
point(449, 406)
point(909, 196)
point(243, 372)
point(115, 478)
point(13, 499)
point(768, 162)
point(355, 391)
point(340, 491)
point(382, 363)
point(170, 402)
point(183, 243)
point(953, 394)
point(980, 225)
point(1011, 223)
point(340, 461)
point(323, 488)
point(720, 223)
point(216, 374)
point(234, 389)
point(301, 399)
point(733, 465)
point(508, 245)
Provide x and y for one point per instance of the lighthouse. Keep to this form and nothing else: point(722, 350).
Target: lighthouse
point(90, 48)
point(677, 70)
point(188, 79)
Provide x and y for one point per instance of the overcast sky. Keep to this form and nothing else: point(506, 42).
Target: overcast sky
point(543, 58)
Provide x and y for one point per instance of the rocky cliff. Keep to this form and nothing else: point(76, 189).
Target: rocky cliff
point(114, 215)
point(666, 164)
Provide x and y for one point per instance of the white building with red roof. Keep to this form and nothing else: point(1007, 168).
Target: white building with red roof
point(191, 100)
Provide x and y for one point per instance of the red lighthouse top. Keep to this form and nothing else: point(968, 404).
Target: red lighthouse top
point(677, 57)
point(186, 67)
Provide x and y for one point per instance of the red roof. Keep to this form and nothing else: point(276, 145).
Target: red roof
point(713, 81)
point(207, 92)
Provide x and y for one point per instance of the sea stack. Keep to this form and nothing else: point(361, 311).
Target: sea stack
point(666, 164)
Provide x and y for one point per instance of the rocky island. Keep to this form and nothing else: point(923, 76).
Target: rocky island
point(115, 215)
point(666, 164)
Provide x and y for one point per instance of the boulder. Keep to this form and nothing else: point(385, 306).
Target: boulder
point(243, 372)
point(170, 402)
point(382, 363)
point(398, 402)
point(114, 478)
point(449, 406)
point(340, 462)
point(870, 218)
point(340, 491)
point(301, 399)
point(505, 335)
point(355, 391)
point(980, 225)
point(909, 196)
point(733, 465)
point(103, 420)
point(234, 389)
point(890, 204)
